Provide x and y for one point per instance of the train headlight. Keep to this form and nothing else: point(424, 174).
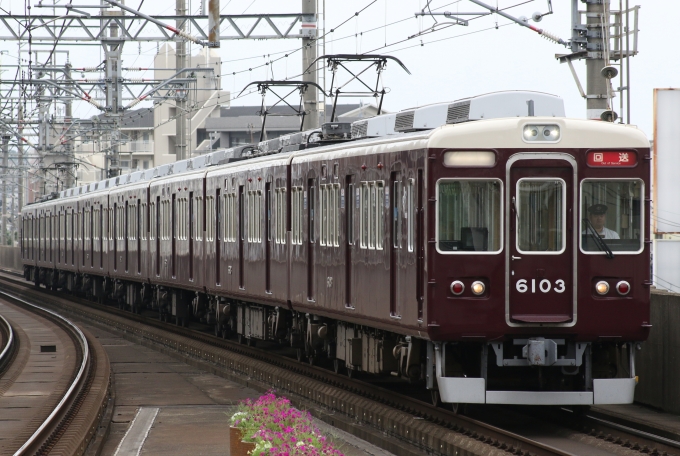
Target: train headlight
point(530, 132)
point(541, 133)
point(623, 288)
point(602, 287)
point(457, 287)
point(478, 288)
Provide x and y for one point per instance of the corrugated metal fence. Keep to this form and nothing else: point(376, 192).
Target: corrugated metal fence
point(658, 363)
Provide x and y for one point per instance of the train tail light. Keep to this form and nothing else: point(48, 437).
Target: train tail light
point(623, 288)
point(478, 288)
point(457, 287)
point(602, 287)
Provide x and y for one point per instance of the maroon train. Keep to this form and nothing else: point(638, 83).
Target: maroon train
point(496, 261)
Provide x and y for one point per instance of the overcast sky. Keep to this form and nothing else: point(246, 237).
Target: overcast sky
point(452, 63)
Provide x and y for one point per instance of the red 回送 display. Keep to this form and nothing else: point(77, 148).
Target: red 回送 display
point(612, 158)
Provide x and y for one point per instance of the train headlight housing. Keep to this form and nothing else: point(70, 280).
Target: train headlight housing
point(457, 287)
point(478, 288)
point(541, 133)
point(623, 288)
point(602, 287)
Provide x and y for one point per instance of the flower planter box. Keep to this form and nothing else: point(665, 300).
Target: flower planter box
point(237, 447)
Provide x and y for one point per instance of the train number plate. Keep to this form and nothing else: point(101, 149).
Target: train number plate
point(540, 286)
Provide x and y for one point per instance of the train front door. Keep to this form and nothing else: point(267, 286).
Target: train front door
point(540, 240)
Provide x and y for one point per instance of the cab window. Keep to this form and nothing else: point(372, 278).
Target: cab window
point(611, 209)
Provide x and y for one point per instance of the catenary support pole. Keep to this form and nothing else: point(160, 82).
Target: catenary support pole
point(181, 94)
point(596, 84)
point(5, 172)
point(310, 97)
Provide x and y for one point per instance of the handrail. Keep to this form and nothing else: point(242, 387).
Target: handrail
point(81, 373)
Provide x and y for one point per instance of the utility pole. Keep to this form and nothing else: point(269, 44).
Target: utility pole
point(310, 97)
point(5, 171)
point(181, 149)
point(68, 145)
point(20, 156)
point(113, 47)
point(597, 25)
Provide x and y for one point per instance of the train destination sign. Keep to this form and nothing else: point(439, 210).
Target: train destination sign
point(612, 158)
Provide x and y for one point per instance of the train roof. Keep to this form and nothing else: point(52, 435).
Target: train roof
point(464, 123)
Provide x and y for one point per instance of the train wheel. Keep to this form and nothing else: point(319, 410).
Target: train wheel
point(434, 395)
point(298, 354)
point(225, 333)
point(310, 360)
point(350, 373)
point(338, 365)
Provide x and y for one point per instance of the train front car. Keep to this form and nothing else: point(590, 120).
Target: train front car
point(538, 260)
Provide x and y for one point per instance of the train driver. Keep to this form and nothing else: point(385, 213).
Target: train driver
point(597, 214)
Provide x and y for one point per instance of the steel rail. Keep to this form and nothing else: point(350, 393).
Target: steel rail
point(8, 349)
point(636, 432)
point(478, 430)
point(70, 393)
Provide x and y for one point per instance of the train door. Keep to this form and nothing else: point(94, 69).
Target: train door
point(191, 236)
point(116, 228)
point(91, 231)
point(138, 234)
point(173, 236)
point(241, 235)
point(126, 235)
point(268, 236)
point(395, 243)
point(351, 205)
point(157, 231)
point(420, 243)
point(218, 236)
point(540, 244)
point(311, 198)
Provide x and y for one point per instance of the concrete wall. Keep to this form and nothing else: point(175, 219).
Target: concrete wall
point(10, 258)
point(658, 363)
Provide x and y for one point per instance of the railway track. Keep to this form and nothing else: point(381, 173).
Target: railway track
point(55, 383)
point(397, 422)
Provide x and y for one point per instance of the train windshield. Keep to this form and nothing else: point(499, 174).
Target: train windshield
point(469, 215)
point(612, 210)
point(540, 210)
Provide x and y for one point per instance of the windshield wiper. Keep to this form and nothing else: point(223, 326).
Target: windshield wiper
point(590, 229)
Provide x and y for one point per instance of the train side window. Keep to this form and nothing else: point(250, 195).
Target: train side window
point(210, 217)
point(379, 215)
point(280, 206)
point(152, 220)
point(335, 215)
point(323, 212)
point(259, 211)
point(409, 213)
point(612, 209)
point(364, 215)
point(296, 202)
point(468, 216)
point(268, 212)
point(396, 217)
point(349, 205)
